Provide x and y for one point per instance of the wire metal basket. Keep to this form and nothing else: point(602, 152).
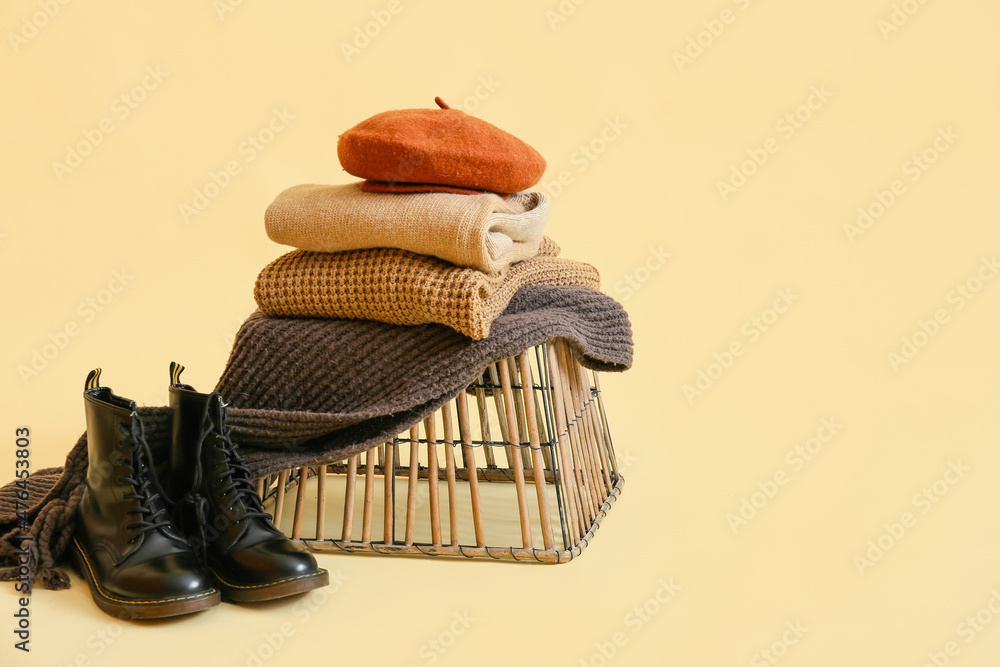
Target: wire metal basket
point(519, 466)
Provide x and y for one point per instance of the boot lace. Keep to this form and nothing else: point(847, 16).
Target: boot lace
point(234, 480)
point(152, 516)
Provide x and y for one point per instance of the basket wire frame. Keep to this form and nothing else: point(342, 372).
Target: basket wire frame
point(530, 444)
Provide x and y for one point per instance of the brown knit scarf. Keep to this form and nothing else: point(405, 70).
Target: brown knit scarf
point(303, 391)
point(306, 390)
point(54, 495)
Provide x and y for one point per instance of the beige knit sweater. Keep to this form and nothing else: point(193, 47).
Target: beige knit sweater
point(401, 287)
point(482, 231)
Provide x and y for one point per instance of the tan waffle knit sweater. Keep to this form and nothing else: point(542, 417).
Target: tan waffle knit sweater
point(400, 287)
point(481, 231)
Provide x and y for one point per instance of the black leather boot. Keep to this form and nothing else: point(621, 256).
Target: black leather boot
point(137, 563)
point(217, 506)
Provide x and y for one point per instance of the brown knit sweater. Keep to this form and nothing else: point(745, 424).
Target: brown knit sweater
point(400, 287)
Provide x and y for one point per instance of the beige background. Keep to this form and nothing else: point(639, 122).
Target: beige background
point(676, 129)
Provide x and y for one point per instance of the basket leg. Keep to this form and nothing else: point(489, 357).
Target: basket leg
point(473, 470)
point(366, 522)
point(506, 423)
point(432, 479)
point(576, 433)
point(388, 477)
point(411, 491)
point(522, 504)
point(536, 451)
point(570, 480)
point(352, 478)
point(321, 501)
point(484, 426)
point(279, 498)
point(300, 503)
point(449, 461)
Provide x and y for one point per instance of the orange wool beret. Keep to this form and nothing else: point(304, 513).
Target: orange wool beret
point(437, 150)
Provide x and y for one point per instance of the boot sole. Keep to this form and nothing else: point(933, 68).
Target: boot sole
point(140, 609)
point(271, 590)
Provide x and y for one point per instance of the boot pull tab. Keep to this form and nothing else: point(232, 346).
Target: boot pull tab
point(175, 373)
point(93, 380)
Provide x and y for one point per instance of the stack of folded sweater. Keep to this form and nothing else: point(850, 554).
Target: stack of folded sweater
point(417, 251)
point(443, 233)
